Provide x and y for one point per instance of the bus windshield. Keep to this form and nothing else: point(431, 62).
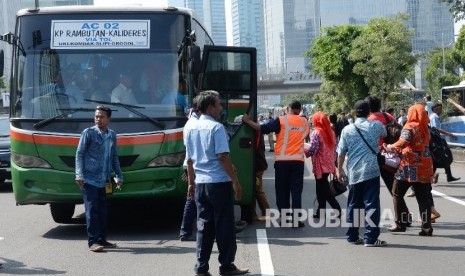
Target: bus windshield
point(67, 81)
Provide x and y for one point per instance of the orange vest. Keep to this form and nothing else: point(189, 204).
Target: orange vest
point(290, 139)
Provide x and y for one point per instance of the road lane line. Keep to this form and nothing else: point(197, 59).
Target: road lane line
point(266, 265)
point(461, 202)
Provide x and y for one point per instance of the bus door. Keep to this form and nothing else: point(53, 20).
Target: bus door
point(232, 72)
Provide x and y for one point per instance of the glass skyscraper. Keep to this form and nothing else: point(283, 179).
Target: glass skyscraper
point(431, 21)
point(248, 28)
point(211, 13)
point(290, 29)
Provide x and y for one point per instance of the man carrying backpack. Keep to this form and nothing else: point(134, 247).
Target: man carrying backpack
point(435, 122)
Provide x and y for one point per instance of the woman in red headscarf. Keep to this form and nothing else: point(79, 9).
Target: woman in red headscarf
point(321, 149)
point(415, 169)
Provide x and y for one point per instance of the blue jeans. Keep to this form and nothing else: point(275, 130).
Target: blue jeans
point(188, 218)
point(96, 213)
point(289, 183)
point(215, 219)
point(364, 195)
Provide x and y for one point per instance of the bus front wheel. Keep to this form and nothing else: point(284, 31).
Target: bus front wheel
point(62, 212)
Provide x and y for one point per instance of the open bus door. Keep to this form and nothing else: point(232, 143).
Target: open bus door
point(232, 71)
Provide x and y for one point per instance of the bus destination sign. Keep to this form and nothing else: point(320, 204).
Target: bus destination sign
point(98, 34)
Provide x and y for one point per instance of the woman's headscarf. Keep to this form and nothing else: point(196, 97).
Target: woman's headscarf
point(418, 117)
point(323, 127)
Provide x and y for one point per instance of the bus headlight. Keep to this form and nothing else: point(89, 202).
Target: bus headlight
point(169, 160)
point(27, 161)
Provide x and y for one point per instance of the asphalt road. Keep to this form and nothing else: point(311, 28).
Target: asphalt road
point(147, 236)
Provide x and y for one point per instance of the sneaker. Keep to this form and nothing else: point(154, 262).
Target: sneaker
point(96, 248)
point(359, 240)
point(377, 243)
point(107, 244)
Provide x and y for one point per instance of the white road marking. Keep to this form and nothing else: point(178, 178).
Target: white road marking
point(461, 202)
point(266, 265)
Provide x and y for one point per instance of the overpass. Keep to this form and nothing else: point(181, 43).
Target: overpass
point(288, 84)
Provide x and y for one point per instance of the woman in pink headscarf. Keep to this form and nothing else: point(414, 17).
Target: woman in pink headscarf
point(321, 149)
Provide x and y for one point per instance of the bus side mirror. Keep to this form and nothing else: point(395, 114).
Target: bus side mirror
point(195, 64)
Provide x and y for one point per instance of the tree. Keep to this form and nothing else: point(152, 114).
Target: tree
point(457, 7)
point(441, 72)
point(341, 87)
point(383, 55)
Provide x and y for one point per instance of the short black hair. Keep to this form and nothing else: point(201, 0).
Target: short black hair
point(374, 103)
point(295, 105)
point(104, 108)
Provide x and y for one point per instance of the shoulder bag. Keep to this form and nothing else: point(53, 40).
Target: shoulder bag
point(379, 157)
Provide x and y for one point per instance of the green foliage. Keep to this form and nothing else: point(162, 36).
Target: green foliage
point(330, 57)
point(457, 7)
point(2, 83)
point(303, 98)
point(356, 61)
point(383, 55)
point(439, 74)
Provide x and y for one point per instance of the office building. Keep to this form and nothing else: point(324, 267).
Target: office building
point(211, 13)
point(431, 21)
point(290, 29)
point(248, 28)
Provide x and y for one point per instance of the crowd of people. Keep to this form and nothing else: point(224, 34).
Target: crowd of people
point(348, 150)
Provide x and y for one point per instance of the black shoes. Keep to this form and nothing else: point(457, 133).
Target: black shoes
point(236, 271)
point(187, 238)
point(426, 232)
point(452, 179)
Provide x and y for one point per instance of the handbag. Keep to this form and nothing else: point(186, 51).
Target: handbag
point(379, 157)
point(392, 161)
point(336, 188)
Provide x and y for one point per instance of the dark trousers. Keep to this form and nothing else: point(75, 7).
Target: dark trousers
point(364, 196)
point(289, 183)
point(323, 194)
point(423, 195)
point(188, 218)
point(96, 213)
point(215, 219)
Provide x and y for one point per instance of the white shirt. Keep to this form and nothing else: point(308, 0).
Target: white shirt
point(122, 94)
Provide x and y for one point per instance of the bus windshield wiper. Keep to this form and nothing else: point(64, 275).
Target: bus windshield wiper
point(131, 107)
point(70, 111)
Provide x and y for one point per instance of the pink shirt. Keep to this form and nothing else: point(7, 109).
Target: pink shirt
point(323, 157)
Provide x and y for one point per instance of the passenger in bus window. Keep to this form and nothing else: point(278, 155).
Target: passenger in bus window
point(103, 88)
point(123, 92)
point(66, 84)
point(177, 97)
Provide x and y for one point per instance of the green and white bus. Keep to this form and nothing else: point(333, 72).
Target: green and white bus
point(67, 60)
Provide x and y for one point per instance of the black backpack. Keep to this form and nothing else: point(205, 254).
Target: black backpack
point(440, 151)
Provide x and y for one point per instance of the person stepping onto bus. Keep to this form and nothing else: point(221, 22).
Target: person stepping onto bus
point(96, 159)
